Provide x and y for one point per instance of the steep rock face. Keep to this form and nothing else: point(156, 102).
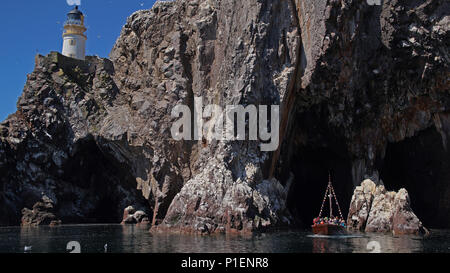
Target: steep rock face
point(404, 220)
point(51, 146)
point(350, 78)
point(382, 211)
point(374, 79)
point(220, 51)
point(360, 205)
point(123, 111)
point(373, 209)
point(376, 76)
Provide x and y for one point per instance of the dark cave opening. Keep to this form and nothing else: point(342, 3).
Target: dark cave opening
point(421, 165)
point(103, 186)
point(311, 169)
point(106, 212)
point(314, 151)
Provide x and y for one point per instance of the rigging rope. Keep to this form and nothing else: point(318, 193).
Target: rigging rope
point(323, 203)
point(337, 203)
point(331, 189)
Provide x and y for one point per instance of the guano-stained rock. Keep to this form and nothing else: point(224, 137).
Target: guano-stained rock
point(386, 212)
point(95, 135)
point(41, 214)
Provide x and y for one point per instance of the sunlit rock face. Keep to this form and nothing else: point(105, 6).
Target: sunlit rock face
point(373, 209)
point(228, 53)
point(352, 81)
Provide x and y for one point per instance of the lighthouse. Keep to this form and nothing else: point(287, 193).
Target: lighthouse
point(74, 39)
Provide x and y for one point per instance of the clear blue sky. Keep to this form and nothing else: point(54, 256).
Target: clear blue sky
point(31, 27)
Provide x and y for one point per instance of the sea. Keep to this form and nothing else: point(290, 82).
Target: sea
point(134, 239)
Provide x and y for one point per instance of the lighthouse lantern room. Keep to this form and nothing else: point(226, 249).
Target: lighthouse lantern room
point(74, 39)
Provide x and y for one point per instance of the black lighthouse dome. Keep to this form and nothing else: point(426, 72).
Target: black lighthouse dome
point(74, 17)
point(75, 14)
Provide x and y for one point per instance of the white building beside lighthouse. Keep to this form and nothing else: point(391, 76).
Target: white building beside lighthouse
point(74, 44)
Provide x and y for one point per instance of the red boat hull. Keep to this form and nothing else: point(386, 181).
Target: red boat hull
point(328, 229)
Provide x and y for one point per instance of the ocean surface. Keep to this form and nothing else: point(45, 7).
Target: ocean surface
point(134, 239)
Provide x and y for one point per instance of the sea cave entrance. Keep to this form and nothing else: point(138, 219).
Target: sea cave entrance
point(312, 167)
point(421, 164)
point(101, 187)
point(313, 151)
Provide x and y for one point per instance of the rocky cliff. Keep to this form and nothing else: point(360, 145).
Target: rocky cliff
point(363, 91)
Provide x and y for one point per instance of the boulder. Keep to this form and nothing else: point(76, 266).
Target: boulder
point(373, 209)
point(404, 220)
point(381, 212)
point(128, 211)
point(128, 215)
point(41, 214)
point(131, 216)
point(145, 221)
point(360, 205)
point(129, 220)
point(140, 215)
point(55, 223)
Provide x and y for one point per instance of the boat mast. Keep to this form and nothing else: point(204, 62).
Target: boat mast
point(330, 193)
point(330, 196)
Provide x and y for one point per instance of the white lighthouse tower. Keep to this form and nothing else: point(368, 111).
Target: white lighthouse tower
point(74, 44)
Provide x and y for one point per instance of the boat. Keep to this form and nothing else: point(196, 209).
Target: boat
point(329, 229)
point(329, 225)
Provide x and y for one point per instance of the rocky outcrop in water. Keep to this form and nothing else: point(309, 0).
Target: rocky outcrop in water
point(373, 209)
point(131, 216)
point(42, 214)
point(352, 80)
